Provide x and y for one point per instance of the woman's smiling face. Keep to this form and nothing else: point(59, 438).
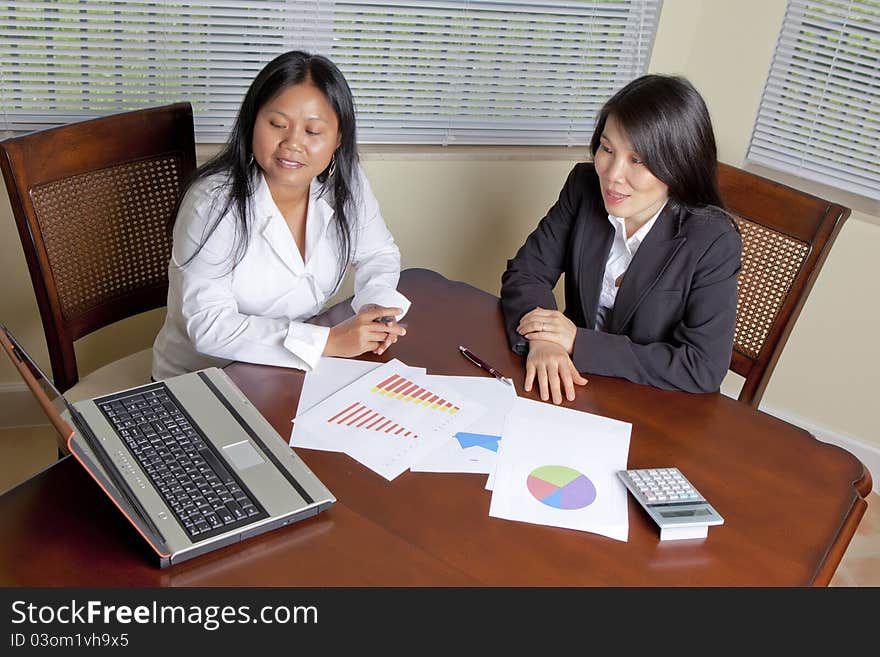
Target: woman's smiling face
point(295, 136)
point(629, 189)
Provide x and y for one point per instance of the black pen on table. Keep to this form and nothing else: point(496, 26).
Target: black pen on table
point(479, 362)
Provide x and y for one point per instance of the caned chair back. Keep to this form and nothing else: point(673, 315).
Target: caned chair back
point(93, 201)
point(786, 237)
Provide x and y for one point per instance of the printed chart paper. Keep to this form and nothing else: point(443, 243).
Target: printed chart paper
point(330, 376)
point(388, 418)
point(559, 467)
point(474, 448)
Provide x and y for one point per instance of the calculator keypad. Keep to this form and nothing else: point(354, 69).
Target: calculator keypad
point(661, 486)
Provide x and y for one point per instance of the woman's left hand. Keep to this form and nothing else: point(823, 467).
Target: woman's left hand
point(391, 337)
point(549, 325)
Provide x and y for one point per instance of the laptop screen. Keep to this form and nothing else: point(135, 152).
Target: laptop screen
point(103, 470)
point(56, 398)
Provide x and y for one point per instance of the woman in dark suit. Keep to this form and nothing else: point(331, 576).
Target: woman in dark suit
point(649, 254)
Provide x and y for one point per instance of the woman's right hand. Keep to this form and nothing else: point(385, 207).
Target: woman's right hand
point(552, 366)
point(360, 334)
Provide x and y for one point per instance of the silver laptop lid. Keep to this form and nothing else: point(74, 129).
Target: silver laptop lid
point(265, 483)
point(94, 458)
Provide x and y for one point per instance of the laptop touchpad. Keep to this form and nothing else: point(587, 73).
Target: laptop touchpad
point(242, 455)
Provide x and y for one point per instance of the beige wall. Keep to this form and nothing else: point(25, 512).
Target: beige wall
point(464, 213)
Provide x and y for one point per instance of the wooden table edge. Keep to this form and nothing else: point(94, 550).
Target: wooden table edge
point(837, 548)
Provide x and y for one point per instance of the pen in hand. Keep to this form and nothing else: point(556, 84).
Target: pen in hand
point(479, 362)
point(388, 320)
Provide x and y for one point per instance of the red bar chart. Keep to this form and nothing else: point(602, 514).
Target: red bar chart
point(402, 389)
point(361, 416)
point(389, 418)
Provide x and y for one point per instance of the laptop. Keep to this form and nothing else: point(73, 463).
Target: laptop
point(189, 461)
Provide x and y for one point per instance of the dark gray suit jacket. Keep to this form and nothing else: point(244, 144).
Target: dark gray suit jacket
point(673, 319)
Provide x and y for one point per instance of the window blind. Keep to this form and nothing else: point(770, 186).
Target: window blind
point(464, 72)
point(819, 116)
point(488, 72)
point(68, 60)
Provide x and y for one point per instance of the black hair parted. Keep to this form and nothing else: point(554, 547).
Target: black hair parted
point(668, 124)
point(236, 162)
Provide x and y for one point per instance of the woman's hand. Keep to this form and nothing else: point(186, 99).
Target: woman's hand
point(387, 320)
point(550, 326)
point(359, 334)
point(554, 370)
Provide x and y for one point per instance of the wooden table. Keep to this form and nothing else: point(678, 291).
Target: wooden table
point(791, 503)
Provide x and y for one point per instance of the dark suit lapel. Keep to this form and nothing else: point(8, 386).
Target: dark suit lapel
point(592, 245)
point(654, 255)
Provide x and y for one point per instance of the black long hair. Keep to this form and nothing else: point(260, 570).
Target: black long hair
point(668, 123)
point(237, 163)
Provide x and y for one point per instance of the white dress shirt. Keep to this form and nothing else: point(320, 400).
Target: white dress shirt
point(623, 250)
point(256, 311)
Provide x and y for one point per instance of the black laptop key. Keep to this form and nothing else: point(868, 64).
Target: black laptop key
point(216, 466)
point(236, 509)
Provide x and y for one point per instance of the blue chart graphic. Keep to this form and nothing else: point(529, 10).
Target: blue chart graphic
point(483, 440)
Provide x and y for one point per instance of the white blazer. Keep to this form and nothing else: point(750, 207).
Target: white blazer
point(256, 311)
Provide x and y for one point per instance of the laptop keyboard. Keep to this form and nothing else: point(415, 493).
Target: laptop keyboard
point(203, 494)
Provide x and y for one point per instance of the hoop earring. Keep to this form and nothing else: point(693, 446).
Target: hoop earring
point(250, 162)
point(332, 168)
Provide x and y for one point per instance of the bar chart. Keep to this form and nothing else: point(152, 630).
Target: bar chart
point(389, 418)
point(361, 416)
point(402, 389)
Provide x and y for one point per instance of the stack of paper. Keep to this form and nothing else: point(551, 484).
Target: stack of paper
point(546, 464)
point(473, 449)
point(388, 419)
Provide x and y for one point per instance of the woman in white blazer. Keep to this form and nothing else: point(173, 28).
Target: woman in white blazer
point(267, 229)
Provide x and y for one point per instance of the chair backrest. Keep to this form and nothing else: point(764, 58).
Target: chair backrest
point(786, 237)
point(92, 201)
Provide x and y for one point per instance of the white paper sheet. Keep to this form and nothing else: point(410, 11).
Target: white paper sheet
point(389, 418)
point(559, 467)
point(474, 448)
point(329, 376)
point(490, 480)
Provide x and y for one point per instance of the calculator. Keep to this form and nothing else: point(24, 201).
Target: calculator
point(672, 502)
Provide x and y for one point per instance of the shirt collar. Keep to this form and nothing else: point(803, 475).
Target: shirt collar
point(270, 223)
point(320, 208)
point(639, 235)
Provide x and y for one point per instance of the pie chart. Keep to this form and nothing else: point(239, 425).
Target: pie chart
point(561, 487)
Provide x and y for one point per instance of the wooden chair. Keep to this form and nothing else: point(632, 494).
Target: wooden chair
point(92, 201)
point(786, 236)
